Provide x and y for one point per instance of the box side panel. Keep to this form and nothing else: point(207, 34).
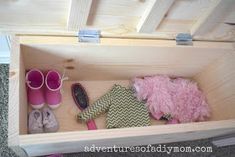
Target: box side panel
point(14, 94)
point(120, 59)
point(218, 83)
point(23, 106)
point(16, 97)
point(43, 144)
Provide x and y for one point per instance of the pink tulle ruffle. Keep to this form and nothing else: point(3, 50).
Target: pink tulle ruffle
point(179, 97)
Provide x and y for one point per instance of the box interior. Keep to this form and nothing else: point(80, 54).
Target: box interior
point(99, 66)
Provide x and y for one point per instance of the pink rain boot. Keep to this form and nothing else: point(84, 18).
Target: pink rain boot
point(35, 82)
point(53, 83)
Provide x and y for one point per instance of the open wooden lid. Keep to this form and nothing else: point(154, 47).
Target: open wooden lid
point(203, 19)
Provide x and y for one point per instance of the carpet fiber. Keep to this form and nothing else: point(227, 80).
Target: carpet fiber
point(228, 151)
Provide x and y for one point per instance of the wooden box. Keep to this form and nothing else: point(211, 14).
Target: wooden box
point(133, 43)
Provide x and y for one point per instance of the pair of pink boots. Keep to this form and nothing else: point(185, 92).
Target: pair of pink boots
point(44, 88)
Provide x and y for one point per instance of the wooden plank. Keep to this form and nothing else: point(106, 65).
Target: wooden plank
point(14, 95)
point(23, 103)
point(40, 14)
point(218, 84)
point(78, 14)
point(124, 59)
point(68, 142)
point(153, 15)
point(17, 106)
point(63, 40)
point(112, 17)
point(217, 13)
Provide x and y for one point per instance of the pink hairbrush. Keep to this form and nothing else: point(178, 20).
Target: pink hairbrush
point(81, 100)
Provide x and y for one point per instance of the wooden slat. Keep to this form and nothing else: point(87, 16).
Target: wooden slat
point(153, 15)
point(214, 15)
point(13, 105)
point(125, 59)
point(26, 40)
point(217, 83)
point(17, 106)
point(67, 142)
point(115, 18)
point(78, 14)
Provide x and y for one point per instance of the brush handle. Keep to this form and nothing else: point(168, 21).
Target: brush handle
point(91, 125)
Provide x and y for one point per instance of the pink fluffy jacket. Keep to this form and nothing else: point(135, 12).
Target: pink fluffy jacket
point(178, 97)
